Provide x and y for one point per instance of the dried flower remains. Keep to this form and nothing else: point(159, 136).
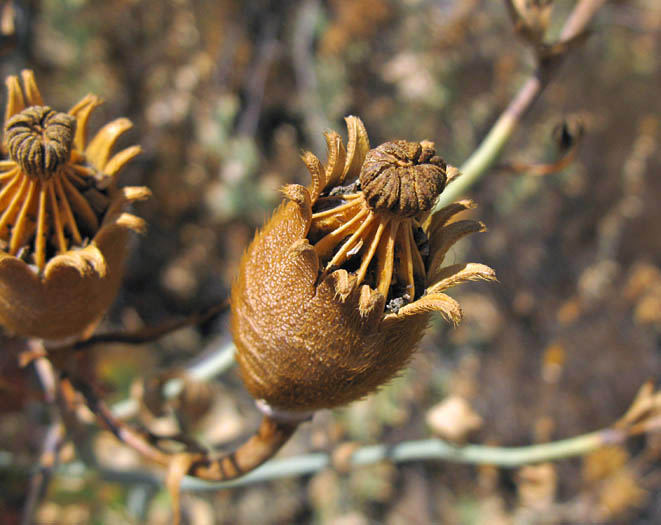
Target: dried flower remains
point(334, 293)
point(63, 225)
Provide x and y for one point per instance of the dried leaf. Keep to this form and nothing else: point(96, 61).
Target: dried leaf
point(453, 419)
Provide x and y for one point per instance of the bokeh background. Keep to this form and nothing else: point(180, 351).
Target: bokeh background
point(224, 95)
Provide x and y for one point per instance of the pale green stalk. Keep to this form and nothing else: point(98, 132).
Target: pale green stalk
point(423, 450)
point(478, 164)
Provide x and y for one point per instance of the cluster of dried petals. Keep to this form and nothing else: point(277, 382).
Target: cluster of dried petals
point(335, 291)
point(64, 228)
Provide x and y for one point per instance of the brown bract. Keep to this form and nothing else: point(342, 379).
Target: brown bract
point(334, 293)
point(64, 228)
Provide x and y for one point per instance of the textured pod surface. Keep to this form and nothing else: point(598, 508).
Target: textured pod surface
point(39, 140)
point(64, 228)
point(333, 295)
point(404, 178)
point(303, 345)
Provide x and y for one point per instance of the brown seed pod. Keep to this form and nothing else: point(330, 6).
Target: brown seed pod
point(403, 177)
point(334, 293)
point(39, 140)
point(64, 229)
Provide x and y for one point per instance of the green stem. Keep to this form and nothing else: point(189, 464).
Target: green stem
point(480, 161)
point(423, 450)
point(508, 457)
point(488, 151)
point(428, 449)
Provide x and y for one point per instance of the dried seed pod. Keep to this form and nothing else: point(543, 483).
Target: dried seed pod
point(335, 292)
point(403, 177)
point(64, 228)
point(39, 140)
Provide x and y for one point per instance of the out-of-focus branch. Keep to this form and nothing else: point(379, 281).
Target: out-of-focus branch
point(267, 51)
point(492, 145)
point(45, 467)
point(423, 450)
point(215, 361)
point(193, 460)
point(52, 441)
point(149, 334)
point(643, 417)
point(580, 17)
point(264, 444)
point(212, 363)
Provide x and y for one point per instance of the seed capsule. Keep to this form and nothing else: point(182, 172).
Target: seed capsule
point(334, 293)
point(39, 140)
point(404, 178)
point(64, 228)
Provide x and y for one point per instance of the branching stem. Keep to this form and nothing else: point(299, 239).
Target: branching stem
point(269, 438)
point(423, 450)
point(477, 165)
point(428, 449)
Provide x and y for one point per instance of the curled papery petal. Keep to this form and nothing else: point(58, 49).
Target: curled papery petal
point(99, 148)
point(82, 111)
point(435, 302)
point(357, 147)
point(451, 276)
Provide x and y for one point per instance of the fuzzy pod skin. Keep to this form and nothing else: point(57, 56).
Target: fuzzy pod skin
point(314, 324)
point(301, 346)
point(64, 225)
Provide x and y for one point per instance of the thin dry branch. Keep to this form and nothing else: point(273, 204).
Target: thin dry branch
point(45, 468)
point(151, 333)
point(268, 439)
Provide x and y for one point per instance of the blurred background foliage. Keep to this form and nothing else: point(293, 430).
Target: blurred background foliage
point(224, 95)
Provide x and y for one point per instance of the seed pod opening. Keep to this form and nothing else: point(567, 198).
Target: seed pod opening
point(334, 293)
